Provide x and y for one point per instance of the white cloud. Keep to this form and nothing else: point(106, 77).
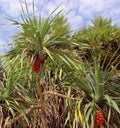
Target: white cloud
point(2, 43)
point(13, 7)
point(75, 19)
point(10, 7)
point(82, 11)
point(90, 7)
point(85, 8)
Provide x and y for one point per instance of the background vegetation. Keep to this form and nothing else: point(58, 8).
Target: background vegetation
point(51, 78)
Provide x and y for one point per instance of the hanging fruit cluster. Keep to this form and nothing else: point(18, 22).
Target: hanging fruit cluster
point(36, 64)
point(99, 119)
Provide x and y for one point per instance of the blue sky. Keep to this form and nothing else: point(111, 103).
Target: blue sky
point(81, 12)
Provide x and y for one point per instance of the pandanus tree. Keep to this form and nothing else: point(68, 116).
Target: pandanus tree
point(40, 40)
point(98, 47)
point(102, 37)
point(99, 102)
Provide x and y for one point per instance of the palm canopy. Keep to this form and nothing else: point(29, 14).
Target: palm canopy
point(101, 37)
point(39, 35)
point(101, 32)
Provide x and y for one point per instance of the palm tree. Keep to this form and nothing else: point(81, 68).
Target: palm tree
point(98, 47)
point(99, 94)
point(99, 37)
point(40, 40)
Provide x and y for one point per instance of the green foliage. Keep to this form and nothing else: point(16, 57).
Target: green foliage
point(101, 37)
point(96, 85)
point(38, 35)
point(78, 74)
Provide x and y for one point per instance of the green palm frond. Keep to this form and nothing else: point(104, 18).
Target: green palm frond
point(39, 34)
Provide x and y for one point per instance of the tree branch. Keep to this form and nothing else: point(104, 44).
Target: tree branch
point(60, 95)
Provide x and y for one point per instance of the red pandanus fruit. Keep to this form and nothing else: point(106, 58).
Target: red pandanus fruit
point(99, 119)
point(35, 64)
